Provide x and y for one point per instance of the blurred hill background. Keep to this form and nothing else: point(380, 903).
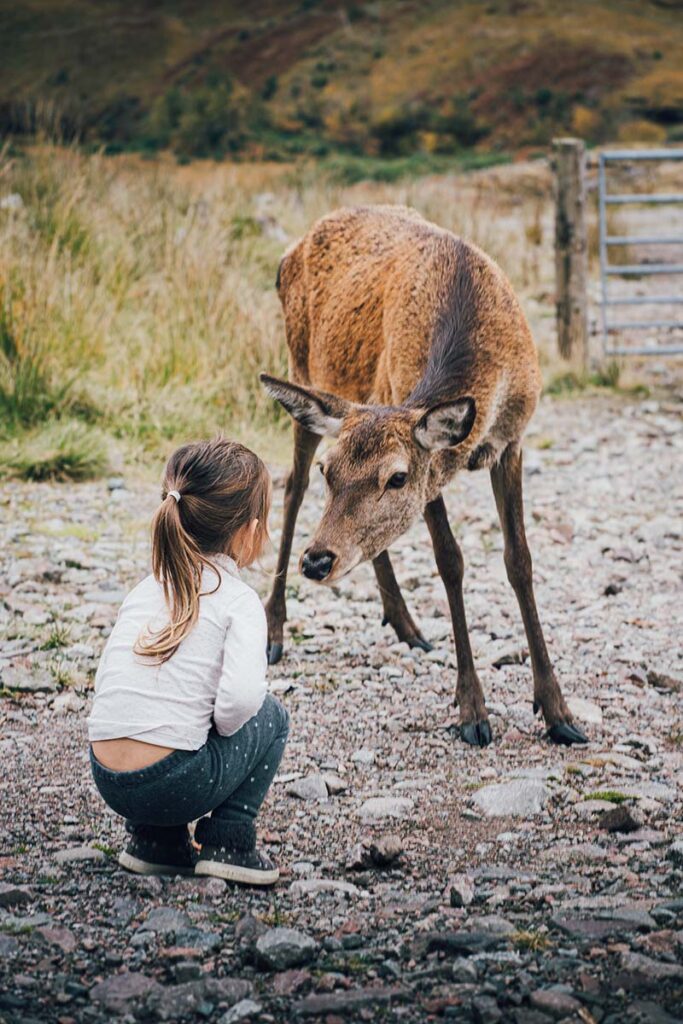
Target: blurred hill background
point(320, 77)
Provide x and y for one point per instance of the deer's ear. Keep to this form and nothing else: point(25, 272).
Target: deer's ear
point(445, 425)
point(317, 411)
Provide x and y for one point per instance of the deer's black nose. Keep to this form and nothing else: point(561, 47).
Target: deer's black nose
point(317, 565)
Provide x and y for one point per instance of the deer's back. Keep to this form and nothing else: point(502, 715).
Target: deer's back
point(367, 291)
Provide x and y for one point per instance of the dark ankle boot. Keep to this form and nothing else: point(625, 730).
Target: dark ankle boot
point(229, 851)
point(153, 850)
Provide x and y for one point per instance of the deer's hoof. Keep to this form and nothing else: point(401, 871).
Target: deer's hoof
point(274, 652)
point(566, 734)
point(477, 734)
point(419, 641)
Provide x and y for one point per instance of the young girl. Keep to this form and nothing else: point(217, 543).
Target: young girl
point(181, 723)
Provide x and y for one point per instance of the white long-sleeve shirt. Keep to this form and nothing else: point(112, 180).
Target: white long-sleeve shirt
point(217, 675)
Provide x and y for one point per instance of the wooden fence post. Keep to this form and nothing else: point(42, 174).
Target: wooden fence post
point(571, 262)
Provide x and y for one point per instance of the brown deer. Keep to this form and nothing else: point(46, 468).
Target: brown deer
point(409, 346)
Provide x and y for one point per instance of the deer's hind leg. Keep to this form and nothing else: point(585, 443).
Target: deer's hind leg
point(474, 719)
point(506, 478)
point(305, 446)
point(396, 613)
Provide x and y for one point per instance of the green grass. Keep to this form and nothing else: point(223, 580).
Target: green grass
point(349, 170)
point(606, 378)
point(612, 796)
point(533, 941)
point(59, 637)
point(61, 450)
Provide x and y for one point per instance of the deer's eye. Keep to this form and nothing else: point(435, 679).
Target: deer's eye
point(397, 481)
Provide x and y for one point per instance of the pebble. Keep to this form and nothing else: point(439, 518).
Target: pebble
point(380, 808)
point(78, 853)
point(517, 798)
point(560, 904)
point(281, 948)
point(312, 787)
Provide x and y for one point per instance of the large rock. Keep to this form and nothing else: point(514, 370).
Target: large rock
point(313, 787)
point(118, 992)
point(349, 1002)
point(379, 808)
point(520, 798)
point(555, 1002)
point(27, 681)
point(281, 948)
point(14, 895)
point(186, 1000)
point(461, 891)
point(164, 920)
point(243, 1010)
point(78, 853)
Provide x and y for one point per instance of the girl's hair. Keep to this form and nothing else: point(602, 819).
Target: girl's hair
point(223, 487)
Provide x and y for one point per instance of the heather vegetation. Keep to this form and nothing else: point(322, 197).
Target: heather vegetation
point(323, 78)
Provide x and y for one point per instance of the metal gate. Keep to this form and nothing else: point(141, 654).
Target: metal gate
point(609, 272)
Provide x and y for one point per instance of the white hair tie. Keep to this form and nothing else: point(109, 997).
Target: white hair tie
point(174, 494)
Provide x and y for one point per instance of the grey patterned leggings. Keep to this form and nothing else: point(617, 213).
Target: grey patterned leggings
point(229, 776)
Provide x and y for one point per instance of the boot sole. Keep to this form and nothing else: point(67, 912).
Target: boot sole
point(146, 867)
point(234, 873)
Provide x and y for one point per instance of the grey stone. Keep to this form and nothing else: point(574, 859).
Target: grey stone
point(241, 1011)
point(25, 680)
point(186, 1000)
point(485, 1010)
point(644, 971)
point(14, 895)
point(621, 818)
point(165, 919)
point(334, 783)
point(195, 938)
point(9, 946)
point(120, 990)
point(675, 853)
point(462, 891)
point(523, 798)
point(555, 1002)
point(386, 850)
point(464, 972)
point(349, 1002)
point(79, 853)
point(281, 948)
point(313, 787)
point(314, 886)
point(381, 807)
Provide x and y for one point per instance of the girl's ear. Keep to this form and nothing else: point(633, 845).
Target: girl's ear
point(244, 544)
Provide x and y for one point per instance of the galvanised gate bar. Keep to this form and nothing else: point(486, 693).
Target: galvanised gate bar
point(609, 299)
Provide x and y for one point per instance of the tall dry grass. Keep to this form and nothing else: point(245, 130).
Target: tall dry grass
point(140, 296)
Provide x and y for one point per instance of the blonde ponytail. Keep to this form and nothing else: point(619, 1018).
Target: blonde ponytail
point(211, 490)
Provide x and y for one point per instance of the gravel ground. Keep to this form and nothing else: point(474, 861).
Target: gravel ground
point(421, 879)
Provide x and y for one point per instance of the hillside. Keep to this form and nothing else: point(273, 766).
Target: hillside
point(375, 78)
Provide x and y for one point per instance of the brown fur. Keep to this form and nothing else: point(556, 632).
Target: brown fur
point(410, 347)
point(362, 293)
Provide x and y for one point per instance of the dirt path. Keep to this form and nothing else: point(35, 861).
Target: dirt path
point(571, 908)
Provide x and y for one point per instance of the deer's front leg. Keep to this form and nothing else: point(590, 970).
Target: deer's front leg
point(395, 611)
point(305, 445)
point(506, 477)
point(474, 719)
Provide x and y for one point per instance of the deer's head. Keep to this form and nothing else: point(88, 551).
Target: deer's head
point(376, 475)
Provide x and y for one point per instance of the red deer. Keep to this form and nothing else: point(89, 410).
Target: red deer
point(409, 346)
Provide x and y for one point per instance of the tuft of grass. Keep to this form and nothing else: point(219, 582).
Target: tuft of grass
point(61, 450)
point(533, 941)
point(343, 169)
point(612, 796)
point(59, 637)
